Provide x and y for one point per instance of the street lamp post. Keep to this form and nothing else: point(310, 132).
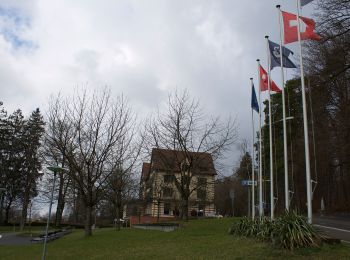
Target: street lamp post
point(55, 170)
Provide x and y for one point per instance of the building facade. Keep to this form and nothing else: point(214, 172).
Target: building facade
point(162, 178)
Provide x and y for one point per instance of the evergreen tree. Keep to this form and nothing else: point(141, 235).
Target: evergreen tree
point(13, 159)
point(3, 134)
point(34, 130)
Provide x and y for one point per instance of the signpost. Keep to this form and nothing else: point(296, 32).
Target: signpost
point(248, 183)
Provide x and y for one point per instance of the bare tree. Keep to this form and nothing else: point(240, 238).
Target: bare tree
point(55, 145)
point(184, 129)
point(122, 187)
point(94, 133)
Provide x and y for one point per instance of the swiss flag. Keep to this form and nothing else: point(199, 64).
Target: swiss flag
point(307, 28)
point(264, 82)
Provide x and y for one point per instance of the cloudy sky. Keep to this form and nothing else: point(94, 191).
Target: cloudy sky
point(142, 48)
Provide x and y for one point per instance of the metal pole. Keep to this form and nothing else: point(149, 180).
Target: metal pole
point(313, 135)
point(233, 212)
point(253, 171)
point(286, 183)
point(261, 211)
point(232, 196)
point(48, 219)
point(248, 201)
point(272, 198)
point(306, 131)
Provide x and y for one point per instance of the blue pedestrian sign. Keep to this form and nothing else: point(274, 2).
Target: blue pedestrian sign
point(248, 183)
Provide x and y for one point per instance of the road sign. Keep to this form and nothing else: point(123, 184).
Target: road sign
point(232, 193)
point(248, 183)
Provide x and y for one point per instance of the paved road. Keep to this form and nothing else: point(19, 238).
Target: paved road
point(13, 239)
point(335, 227)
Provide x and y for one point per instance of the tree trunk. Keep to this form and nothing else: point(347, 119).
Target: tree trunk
point(25, 208)
point(88, 220)
point(59, 213)
point(184, 211)
point(1, 207)
point(76, 202)
point(7, 212)
point(60, 202)
point(118, 217)
point(118, 208)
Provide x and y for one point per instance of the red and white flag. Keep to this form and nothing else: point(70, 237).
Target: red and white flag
point(264, 82)
point(307, 28)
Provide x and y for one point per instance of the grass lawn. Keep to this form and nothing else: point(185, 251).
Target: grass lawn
point(198, 239)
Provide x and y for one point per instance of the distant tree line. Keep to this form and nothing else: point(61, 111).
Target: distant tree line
point(327, 80)
point(239, 205)
point(327, 65)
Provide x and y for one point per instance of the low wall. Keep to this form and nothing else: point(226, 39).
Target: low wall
point(149, 219)
point(165, 227)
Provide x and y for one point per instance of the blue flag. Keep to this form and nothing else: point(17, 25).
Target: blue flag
point(276, 56)
point(305, 2)
point(254, 103)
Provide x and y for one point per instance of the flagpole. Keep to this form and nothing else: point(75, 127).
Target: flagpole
point(306, 131)
point(286, 183)
point(261, 212)
point(253, 172)
point(272, 199)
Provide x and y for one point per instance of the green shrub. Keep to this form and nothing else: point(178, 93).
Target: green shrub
point(293, 231)
point(266, 229)
point(242, 227)
point(288, 231)
point(246, 227)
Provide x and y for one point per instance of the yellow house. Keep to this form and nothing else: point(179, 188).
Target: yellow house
point(164, 176)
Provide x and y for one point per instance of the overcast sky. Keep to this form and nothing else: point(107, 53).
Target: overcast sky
point(143, 49)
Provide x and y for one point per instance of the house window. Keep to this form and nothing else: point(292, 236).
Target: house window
point(168, 178)
point(167, 192)
point(185, 166)
point(202, 183)
point(201, 194)
point(166, 208)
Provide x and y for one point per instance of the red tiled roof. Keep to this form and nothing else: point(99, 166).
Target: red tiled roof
point(170, 160)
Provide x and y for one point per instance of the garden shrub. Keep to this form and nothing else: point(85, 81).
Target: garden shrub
point(288, 231)
point(293, 231)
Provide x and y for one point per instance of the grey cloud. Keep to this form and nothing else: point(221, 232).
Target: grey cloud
point(146, 48)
